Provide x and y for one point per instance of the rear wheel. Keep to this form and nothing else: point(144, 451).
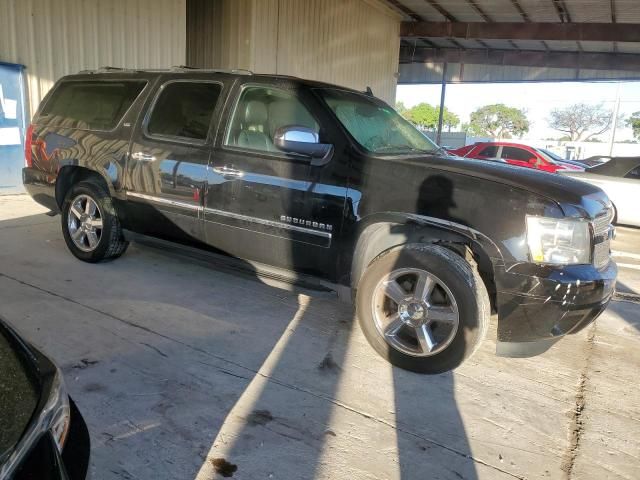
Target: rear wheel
point(424, 308)
point(90, 225)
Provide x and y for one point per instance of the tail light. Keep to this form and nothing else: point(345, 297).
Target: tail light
point(27, 147)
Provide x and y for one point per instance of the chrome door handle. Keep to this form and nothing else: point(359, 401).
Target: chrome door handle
point(143, 157)
point(227, 171)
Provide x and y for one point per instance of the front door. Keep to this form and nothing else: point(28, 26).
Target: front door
point(262, 203)
point(520, 157)
point(167, 166)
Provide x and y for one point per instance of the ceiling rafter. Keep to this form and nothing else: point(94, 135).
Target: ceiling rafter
point(404, 9)
point(487, 19)
point(442, 11)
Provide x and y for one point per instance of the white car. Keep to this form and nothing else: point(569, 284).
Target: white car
point(620, 180)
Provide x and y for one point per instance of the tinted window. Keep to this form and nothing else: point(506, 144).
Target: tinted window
point(97, 105)
point(635, 173)
point(513, 153)
point(184, 109)
point(491, 152)
point(260, 112)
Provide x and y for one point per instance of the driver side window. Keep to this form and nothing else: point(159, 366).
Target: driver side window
point(260, 112)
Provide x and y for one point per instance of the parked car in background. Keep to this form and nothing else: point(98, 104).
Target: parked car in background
point(306, 180)
point(620, 179)
point(42, 434)
point(514, 154)
point(559, 160)
point(594, 161)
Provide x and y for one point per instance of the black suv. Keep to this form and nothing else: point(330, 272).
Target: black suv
point(325, 181)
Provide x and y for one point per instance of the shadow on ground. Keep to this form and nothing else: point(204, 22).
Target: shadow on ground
point(176, 366)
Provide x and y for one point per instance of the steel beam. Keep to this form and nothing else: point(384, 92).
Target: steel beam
point(523, 58)
point(596, 32)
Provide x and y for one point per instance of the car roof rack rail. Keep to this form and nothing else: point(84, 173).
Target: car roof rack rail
point(107, 68)
point(239, 71)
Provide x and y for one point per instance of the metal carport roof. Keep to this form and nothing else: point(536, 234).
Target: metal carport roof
point(519, 40)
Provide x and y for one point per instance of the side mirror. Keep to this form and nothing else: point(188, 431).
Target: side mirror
point(302, 141)
point(533, 160)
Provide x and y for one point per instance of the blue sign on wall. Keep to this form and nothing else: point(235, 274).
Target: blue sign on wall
point(13, 122)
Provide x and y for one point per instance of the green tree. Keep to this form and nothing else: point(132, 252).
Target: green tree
point(426, 116)
point(401, 108)
point(581, 121)
point(423, 115)
point(449, 119)
point(498, 121)
point(634, 122)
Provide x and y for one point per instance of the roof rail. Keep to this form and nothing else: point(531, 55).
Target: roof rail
point(239, 71)
point(109, 69)
point(175, 68)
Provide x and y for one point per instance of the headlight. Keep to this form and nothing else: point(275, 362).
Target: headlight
point(57, 413)
point(558, 241)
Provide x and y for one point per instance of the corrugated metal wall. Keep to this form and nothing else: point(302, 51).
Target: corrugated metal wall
point(53, 38)
point(348, 42)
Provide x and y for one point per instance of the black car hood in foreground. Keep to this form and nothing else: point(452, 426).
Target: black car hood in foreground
point(19, 392)
point(572, 195)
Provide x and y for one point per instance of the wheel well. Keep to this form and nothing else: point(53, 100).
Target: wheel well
point(378, 240)
point(69, 176)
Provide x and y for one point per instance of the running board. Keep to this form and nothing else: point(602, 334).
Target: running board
point(231, 264)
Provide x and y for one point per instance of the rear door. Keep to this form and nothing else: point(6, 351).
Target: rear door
point(262, 203)
point(169, 154)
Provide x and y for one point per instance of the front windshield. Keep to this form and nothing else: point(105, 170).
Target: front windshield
point(377, 127)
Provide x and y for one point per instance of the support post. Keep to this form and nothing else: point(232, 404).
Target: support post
point(442, 95)
point(614, 127)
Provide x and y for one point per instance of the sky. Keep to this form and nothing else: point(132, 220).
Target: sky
point(538, 99)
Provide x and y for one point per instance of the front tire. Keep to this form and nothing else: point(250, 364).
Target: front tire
point(423, 308)
point(90, 225)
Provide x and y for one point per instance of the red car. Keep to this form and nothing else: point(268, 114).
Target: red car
point(515, 154)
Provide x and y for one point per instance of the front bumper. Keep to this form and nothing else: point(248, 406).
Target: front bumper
point(537, 305)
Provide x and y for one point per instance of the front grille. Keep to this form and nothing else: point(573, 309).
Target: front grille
point(602, 222)
point(602, 247)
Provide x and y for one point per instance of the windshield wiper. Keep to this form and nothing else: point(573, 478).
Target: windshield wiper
point(405, 148)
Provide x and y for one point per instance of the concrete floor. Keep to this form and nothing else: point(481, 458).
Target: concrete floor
point(181, 370)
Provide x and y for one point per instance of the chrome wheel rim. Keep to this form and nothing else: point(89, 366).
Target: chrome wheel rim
point(84, 222)
point(415, 312)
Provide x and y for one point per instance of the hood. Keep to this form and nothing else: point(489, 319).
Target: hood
point(19, 391)
point(576, 198)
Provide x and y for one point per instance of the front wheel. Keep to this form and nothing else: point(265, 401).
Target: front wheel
point(90, 225)
point(423, 308)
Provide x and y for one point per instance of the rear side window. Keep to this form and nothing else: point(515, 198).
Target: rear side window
point(91, 105)
point(513, 153)
point(490, 152)
point(184, 110)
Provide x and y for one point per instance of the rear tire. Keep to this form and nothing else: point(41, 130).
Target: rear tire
point(423, 308)
point(90, 225)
